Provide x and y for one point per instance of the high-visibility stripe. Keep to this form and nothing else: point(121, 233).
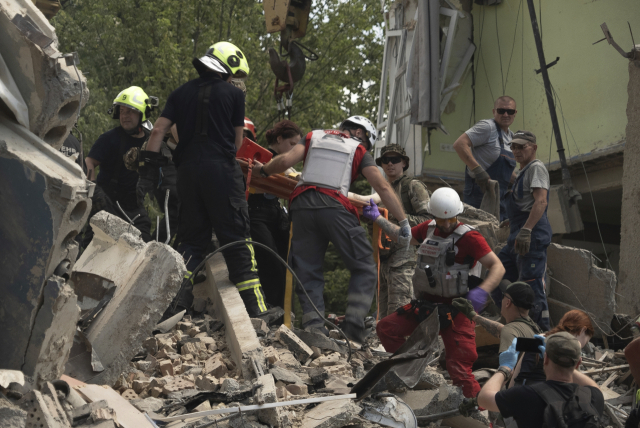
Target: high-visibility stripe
point(261, 305)
point(245, 285)
point(187, 275)
point(254, 264)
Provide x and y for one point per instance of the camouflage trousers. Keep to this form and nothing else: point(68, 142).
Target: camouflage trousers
point(396, 287)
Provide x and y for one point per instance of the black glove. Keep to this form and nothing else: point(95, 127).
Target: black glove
point(468, 406)
point(150, 162)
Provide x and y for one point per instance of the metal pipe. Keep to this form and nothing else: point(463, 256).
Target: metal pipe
point(157, 228)
point(166, 216)
point(566, 177)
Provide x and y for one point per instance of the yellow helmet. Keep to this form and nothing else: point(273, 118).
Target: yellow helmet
point(225, 58)
point(134, 97)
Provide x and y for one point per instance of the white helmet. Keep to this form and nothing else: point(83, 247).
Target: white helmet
point(371, 132)
point(445, 203)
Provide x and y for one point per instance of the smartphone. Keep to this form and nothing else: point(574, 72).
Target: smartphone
point(524, 344)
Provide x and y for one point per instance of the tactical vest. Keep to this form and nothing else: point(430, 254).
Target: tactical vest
point(433, 275)
point(405, 198)
point(329, 161)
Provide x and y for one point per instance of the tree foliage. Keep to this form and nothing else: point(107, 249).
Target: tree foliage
point(151, 44)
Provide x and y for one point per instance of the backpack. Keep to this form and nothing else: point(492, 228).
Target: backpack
point(576, 412)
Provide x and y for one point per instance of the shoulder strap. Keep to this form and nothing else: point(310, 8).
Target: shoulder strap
point(499, 133)
point(202, 124)
point(405, 187)
point(536, 328)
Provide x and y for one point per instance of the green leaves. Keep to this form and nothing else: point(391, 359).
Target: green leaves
point(151, 44)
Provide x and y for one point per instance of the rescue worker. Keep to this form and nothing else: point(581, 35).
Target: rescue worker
point(447, 264)
point(525, 255)
point(398, 264)
point(270, 221)
point(116, 184)
point(321, 213)
point(485, 151)
point(209, 113)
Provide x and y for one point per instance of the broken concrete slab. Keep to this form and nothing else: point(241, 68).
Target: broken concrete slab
point(11, 415)
point(7, 377)
point(52, 335)
point(128, 416)
point(149, 404)
point(147, 277)
point(321, 341)
point(229, 307)
point(331, 414)
point(577, 281)
point(289, 339)
point(276, 416)
point(284, 375)
point(627, 288)
point(51, 87)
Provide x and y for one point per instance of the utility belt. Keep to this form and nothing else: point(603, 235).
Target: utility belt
point(421, 309)
point(258, 199)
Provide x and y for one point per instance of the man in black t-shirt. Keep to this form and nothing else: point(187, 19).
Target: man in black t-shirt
point(71, 147)
point(115, 184)
point(562, 357)
point(209, 114)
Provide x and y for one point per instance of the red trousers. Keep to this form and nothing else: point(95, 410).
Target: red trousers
point(459, 344)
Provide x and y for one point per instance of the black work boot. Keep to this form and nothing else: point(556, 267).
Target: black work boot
point(273, 316)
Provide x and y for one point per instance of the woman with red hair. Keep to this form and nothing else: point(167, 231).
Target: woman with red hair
point(269, 220)
point(529, 369)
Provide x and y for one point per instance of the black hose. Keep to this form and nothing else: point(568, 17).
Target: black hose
point(185, 282)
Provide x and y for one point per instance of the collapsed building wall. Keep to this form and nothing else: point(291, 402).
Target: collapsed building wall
point(628, 291)
point(45, 197)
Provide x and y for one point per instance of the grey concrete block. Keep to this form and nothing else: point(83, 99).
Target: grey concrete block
point(331, 414)
point(52, 335)
point(277, 416)
point(284, 375)
point(577, 281)
point(293, 343)
point(229, 307)
point(147, 277)
point(149, 404)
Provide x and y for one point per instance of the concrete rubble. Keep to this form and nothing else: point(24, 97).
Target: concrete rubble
point(576, 282)
point(45, 199)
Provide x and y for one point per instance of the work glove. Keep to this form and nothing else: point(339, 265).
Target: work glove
point(509, 358)
point(404, 236)
point(542, 348)
point(464, 307)
point(482, 178)
point(523, 241)
point(371, 212)
point(149, 163)
point(468, 406)
point(478, 298)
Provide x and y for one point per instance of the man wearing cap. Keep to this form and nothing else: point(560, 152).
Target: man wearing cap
point(525, 255)
point(517, 301)
point(209, 113)
point(485, 151)
point(564, 383)
point(398, 263)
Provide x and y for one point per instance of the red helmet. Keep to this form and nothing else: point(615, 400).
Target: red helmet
point(249, 126)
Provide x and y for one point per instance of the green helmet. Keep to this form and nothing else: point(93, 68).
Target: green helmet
point(225, 58)
point(134, 97)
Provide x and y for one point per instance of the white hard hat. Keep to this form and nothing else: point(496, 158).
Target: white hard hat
point(445, 203)
point(362, 121)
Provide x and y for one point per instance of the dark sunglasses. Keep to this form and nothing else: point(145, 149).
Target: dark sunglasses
point(509, 111)
point(393, 159)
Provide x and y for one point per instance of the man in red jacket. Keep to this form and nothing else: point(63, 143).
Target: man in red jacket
point(447, 267)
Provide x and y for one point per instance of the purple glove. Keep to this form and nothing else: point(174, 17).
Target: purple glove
point(371, 212)
point(478, 298)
